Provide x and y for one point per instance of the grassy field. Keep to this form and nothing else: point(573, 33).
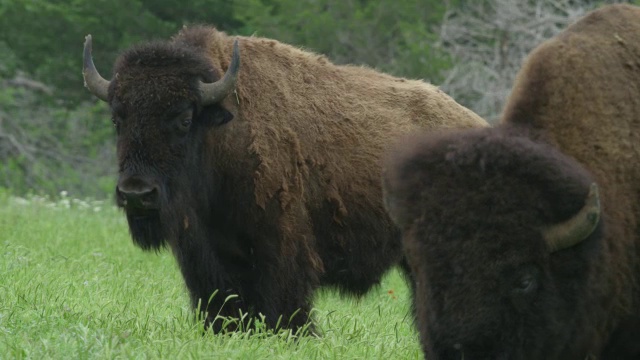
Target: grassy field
point(72, 285)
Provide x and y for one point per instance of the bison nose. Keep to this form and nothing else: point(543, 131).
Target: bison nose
point(137, 194)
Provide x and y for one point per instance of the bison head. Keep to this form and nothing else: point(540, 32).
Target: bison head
point(499, 231)
point(164, 99)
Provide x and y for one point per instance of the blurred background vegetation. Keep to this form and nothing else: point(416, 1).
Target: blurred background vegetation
point(54, 136)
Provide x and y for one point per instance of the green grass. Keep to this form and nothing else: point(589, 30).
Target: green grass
point(73, 285)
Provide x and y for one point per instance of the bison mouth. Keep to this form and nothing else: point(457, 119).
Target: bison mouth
point(139, 201)
point(137, 214)
point(138, 194)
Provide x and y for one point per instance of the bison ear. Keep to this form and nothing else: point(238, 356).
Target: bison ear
point(224, 117)
point(216, 115)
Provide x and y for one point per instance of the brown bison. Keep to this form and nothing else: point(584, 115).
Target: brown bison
point(264, 181)
point(523, 239)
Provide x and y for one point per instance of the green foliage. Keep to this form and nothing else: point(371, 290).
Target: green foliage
point(54, 136)
point(9, 62)
point(393, 35)
point(50, 47)
point(74, 286)
point(396, 36)
point(50, 148)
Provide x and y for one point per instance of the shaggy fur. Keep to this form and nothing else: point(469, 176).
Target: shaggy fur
point(275, 190)
point(472, 204)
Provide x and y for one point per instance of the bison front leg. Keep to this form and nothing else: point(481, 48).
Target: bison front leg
point(283, 290)
point(215, 289)
point(273, 282)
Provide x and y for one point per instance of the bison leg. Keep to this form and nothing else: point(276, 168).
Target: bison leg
point(283, 288)
point(408, 275)
point(277, 287)
point(215, 289)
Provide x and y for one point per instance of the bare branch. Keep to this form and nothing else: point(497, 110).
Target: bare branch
point(22, 81)
point(489, 41)
point(45, 147)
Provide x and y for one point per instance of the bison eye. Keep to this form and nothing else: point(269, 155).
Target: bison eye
point(184, 121)
point(526, 284)
point(185, 124)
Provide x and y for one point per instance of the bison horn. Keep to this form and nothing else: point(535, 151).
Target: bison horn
point(214, 92)
point(577, 228)
point(92, 79)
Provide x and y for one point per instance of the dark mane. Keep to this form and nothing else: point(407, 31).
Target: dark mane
point(490, 156)
point(198, 37)
point(179, 57)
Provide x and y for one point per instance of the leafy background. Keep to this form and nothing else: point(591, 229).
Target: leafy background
point(54, 136)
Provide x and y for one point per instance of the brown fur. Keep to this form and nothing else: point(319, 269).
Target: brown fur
point(582, 91)
point(288, 101)
point(284, 197)
point(472, 203)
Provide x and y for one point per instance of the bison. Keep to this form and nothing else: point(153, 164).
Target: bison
point(262, 178)
point(524, 239)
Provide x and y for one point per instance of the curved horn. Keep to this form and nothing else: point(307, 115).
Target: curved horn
point(214, 92)
point(579, 227)
point(92, 79)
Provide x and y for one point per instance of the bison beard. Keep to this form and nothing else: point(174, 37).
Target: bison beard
point(146, 230)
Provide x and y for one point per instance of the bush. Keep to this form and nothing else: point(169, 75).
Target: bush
point(48, 148)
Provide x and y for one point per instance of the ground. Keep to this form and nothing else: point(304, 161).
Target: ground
point(73, 285)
